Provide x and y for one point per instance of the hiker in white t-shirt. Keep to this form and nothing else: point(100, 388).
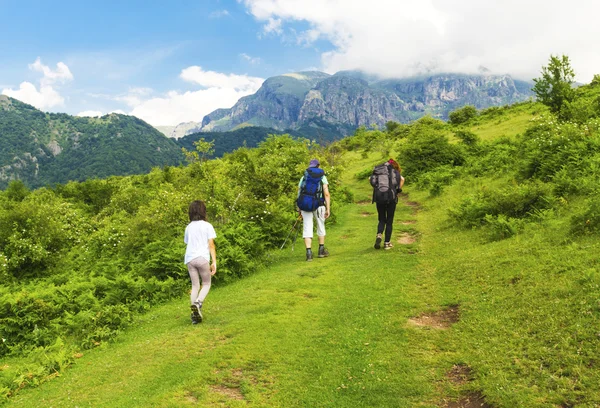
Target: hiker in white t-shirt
point(200, 239)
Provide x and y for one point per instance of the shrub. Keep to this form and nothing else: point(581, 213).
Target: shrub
point(462, 115)
point(588, 221)
point(500, 227)
point(467, 137)
point(427, 151)
point(518, 201)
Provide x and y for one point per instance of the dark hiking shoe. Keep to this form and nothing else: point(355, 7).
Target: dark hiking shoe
point(194, 319)
point(323, 252)
point(309, 256)
point(377, 243)
point(196, 313)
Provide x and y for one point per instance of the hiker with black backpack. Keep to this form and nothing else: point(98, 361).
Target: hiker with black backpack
point(387, 183)
point(313, 202)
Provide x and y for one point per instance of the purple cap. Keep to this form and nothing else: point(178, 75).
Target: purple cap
point(314, 163)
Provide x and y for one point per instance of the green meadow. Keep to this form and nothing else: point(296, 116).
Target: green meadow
point(490, 296)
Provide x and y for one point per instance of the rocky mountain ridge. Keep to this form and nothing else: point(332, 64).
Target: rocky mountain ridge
point(350, 99)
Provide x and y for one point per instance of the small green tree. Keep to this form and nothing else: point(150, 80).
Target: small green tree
point(554, 89)
point(204, 149)
point(462, 115)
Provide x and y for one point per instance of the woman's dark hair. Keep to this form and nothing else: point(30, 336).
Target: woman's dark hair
point(197, 211)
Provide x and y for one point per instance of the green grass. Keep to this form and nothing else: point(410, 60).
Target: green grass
point(328, 333)
point(336, 332)
point(509, 124)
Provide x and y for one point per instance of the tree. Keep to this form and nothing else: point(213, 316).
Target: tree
point(554, 89)
point(462, 115)
point(204, 149)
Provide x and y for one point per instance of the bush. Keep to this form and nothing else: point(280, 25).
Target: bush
point(427, 151)
point(462, 115)
point(467, 137)
point(588, 221)
point(518, 201)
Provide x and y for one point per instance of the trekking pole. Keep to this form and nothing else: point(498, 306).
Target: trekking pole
point(295, 236)
point(290, 233)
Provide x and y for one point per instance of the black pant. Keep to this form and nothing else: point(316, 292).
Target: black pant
point(385, 213)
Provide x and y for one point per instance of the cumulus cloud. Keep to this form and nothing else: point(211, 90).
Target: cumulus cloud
point(212, 79)
point(404, 37)
point(220, 90)
point(90, 113)
point(46, 96)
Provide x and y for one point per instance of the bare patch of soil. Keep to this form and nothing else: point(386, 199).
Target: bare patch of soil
point(366, 214)
point(413, 204)
point(460, 374)
point(441, 319)
point(473, 400)
point(363, 202)
point(232, 393)
point(406, 239)
point(191, 397)
point(409, 222)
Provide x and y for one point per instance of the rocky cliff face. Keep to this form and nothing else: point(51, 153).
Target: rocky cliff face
point(349, 99)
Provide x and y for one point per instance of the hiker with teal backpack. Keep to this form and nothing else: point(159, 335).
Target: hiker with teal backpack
point(313, 203)
point(200, 240)
point(387, 183)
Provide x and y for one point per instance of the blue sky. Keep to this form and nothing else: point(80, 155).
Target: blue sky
point(170, 62)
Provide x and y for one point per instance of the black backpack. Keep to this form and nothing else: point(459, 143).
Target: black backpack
point(385, 183)
point(311, 190)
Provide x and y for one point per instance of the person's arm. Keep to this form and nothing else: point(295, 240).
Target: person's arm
point(327, 200)
point(213, 256)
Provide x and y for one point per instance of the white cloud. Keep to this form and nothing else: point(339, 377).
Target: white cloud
point(403, 37)
point(273, 26)
point(219, 14)
point(251, 60)
point(212, 79)
point(62, 73)
point(44, 98)
point(221, 90)
point(47, 96)
point(175, 108)
point(90, 113)
point(134, 96)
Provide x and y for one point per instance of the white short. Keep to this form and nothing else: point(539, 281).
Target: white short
point(307, 224)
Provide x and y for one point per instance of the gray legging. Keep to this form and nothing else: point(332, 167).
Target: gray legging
point(199, 268)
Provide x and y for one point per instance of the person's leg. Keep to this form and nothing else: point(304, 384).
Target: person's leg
point(195, 278)
point(320, 216)
point(390, 210)
point(307, 232)
point(381, 218)
point(204, 270)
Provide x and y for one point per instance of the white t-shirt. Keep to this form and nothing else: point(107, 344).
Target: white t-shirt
point(197, 234)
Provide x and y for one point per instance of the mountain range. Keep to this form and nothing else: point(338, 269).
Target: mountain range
point(335, 105)
point(46, 148)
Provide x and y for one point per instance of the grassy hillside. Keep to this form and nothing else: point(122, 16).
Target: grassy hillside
point(489, 296)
